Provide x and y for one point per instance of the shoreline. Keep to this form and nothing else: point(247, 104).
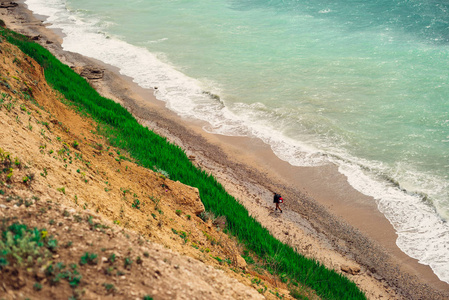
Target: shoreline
point(249, 170)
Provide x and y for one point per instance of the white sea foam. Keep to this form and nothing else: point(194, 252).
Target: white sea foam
point(421, 233)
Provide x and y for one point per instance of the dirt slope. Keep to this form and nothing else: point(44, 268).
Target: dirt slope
point(122, 230)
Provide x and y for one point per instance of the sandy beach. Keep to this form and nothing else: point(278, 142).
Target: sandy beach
point(324, 217)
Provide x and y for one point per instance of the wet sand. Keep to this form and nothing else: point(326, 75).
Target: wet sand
point(324, 217)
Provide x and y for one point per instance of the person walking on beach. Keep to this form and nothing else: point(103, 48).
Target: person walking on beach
point(278, 199)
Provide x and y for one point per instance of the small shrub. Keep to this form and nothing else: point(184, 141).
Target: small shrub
point(110, 288)
point(162, 173)
point(283, 277)
point(206, 215)
point(220, 222)
point(22, 246)
point(9, 176)
point(89, 258)
point(37, 286)
point(111, 258)
point(52, 244)
point(109, 270)
point(178, 212)
point(263, 290)
point(74, 281)
point(136, 204)
point(5, 157)
point(217, 258)
point(124, 191)
point(44, 174)
point(128, 263)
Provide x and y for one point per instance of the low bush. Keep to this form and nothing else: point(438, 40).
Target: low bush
point(21, 246)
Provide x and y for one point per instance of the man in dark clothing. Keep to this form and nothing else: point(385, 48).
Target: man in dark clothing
point(278, 199)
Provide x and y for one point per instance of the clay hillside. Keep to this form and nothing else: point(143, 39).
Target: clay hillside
point(81, 220)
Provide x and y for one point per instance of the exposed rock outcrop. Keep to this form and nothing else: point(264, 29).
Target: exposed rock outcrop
point(353, 270)
point(90, 72)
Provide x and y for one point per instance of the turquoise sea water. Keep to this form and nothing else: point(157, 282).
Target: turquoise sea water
point(362, 84)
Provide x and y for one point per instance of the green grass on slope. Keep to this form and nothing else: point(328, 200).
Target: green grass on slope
point(151, 150)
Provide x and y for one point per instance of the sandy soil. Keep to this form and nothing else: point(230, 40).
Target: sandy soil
point(324, 217)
